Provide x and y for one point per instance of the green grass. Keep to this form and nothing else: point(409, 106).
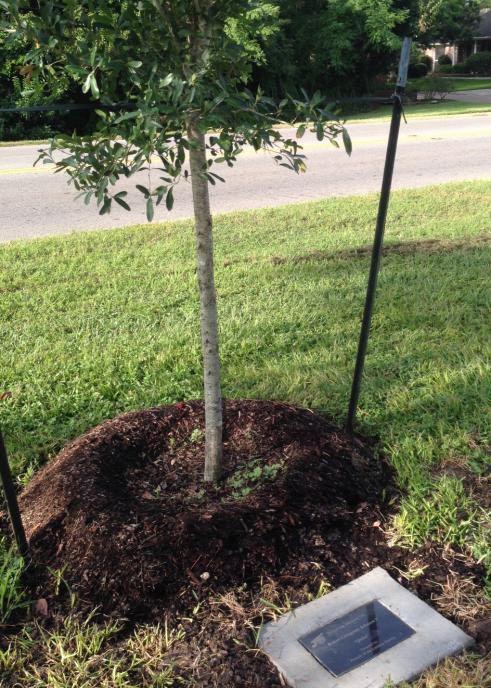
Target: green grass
point(99, 323)
point(461, 84)
point(27, 142)
point(11, 591)
point(446, 108)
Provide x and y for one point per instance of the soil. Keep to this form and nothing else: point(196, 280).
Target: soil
point(123, 512)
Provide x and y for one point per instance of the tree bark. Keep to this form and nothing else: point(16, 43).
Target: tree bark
point(208, 305)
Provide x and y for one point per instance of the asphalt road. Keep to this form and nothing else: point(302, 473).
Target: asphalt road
point(35, 202)
point(481, 95)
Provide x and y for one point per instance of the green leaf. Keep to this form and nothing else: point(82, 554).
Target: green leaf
point(94, 88)
point(150, 209)
point(119, 199)
point(122, 203)
point(106, 206)
point(300, 131)
point(347, 142)
point(169, 200)
point(159, 194)
point(220, 179)
point(86, 86)
point(143, 190)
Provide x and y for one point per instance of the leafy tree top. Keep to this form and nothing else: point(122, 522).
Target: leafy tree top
point(170, 63)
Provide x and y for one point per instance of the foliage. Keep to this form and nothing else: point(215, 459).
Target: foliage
point(444, 60)
point(11, 591)
point(182, 71)
point(433, 87)
point(338, 46)
point(134, 55)
point(80, 653)
point(461, 68)
point(245, 478)
point(479, 63)
point(446, 21)
point(20, 86)
point(417, 70)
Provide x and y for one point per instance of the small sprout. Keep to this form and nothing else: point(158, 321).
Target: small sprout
point(197, 436)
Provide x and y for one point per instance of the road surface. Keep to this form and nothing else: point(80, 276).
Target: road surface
point(480, 95)
point(36, 203)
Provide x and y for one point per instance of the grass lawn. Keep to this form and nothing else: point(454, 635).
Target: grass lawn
point(445, 108)
point(27, 142)
point(461, 84)
point(99, 323)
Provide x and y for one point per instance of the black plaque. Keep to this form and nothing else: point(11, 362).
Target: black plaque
point(355, 638)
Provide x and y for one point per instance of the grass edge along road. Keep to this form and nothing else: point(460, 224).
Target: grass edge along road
point(98, 323)
point(468, 84)
point(445, 108)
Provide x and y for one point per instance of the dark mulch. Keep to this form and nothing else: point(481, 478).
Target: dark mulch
point(123, 510)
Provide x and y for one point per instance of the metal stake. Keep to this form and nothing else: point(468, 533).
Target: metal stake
point(379, 231)
point(12, 504)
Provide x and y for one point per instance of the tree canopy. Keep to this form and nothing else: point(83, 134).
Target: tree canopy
point(445, 21)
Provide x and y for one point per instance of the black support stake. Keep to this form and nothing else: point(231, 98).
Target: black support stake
point(379, 231)
point(12, 504)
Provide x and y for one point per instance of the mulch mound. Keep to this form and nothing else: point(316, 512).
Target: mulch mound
point(124, 510)
point(124, 513)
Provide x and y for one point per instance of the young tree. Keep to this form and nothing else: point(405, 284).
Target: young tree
point(180, 67)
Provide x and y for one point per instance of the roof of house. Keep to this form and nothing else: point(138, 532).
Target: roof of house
point(484, 28)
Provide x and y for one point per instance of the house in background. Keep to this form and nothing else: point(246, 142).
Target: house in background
point(459, 51)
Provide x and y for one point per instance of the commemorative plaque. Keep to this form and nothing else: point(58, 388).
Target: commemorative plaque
point(355, 638)
point(361, 635)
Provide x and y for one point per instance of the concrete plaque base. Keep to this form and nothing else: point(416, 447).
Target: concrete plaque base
point(328, 624)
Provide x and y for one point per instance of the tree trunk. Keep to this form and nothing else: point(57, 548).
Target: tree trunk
point(208, 305)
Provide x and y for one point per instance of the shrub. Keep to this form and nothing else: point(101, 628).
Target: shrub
point(479, 63)
point(445, 69)
point(428, 61)
point(418, 70)
point(434, 87)
point(460, 68)
point(444, 60)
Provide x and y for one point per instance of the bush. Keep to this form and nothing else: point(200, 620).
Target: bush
point(445, 69)
point(428, 61)
point(444, 60)
point(434, 87)
point(479, 63)
point(461, 68)
point(418, 70)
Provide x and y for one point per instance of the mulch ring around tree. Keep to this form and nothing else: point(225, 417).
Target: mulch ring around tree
point(124, 514)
